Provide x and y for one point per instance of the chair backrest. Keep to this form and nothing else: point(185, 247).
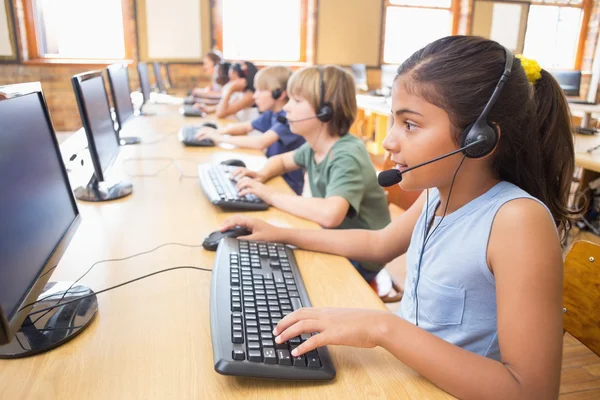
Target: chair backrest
point(581, 295)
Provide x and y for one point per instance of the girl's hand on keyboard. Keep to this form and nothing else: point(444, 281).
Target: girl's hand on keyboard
point(337, 326)
point(239, 173)
point(250, 186)
point(208, 133)
point(260, 230)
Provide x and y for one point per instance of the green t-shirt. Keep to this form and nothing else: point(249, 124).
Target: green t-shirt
point(347, 171)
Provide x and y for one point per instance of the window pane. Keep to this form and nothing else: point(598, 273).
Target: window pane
point(423, 3)
point(552, 35)
point(80, 28)
point(252, 30)
point(409, 29)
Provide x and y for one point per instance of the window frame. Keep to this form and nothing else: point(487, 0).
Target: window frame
point(307, 33)
point(586, 6)
point(31, 50)
point(454, 9)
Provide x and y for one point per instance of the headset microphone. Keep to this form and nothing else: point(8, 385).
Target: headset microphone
point(284, 120)
point(394, 176)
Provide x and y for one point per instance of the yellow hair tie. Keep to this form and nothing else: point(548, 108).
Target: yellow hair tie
point(532, 69)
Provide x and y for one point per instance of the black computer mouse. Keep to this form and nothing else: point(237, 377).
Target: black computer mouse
point(212, 241)
point(210, 125)
point(234, 162)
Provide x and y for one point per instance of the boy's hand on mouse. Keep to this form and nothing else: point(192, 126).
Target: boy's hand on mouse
point(238, 173)
point(209, 133)
point(337, 326)
point(199, 106)
point(260, 230)
point(250, 186)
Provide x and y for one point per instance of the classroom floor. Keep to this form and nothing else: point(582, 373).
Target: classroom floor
point(580, 376)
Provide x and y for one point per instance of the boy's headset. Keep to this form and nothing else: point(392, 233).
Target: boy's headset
point(325, 110)
point(276, 93)
point(476, 141)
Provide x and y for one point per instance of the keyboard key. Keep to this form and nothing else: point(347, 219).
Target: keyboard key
point(267, 343)
point(239, 355)
point(253, 338)
point(237, 337)
point(284, 357)
point(313, 359)
point(255, 355)
point(296, 303)
point(253, 346)
point(299, 361)
point(270, 357)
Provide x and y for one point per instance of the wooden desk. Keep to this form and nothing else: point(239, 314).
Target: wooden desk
point(151, 339)
point(583, 159)
point(586, 110)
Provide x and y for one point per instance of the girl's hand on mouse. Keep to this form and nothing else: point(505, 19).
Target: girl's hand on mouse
point(250, 186)
point(241, 172)
point(260, 230)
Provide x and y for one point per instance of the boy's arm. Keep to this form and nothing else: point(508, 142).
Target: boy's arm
point(241, 128)
point(250, 142)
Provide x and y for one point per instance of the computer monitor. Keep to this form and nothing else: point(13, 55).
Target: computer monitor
point(569, 81)
point(158, 77)
point(39, 219)
point(359, 72)
point(145, 87)
point(94, 110)
point(118, 78)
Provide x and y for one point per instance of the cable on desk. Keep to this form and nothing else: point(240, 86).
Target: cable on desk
point(121, 284)
point(153, 175)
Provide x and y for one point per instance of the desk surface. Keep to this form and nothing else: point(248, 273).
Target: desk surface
point(151, 339)
point(589, 161)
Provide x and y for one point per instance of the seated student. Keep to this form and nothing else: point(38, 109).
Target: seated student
point(342, 178)
point(481, 315)
point(209, 63)
point(270, 97)
point(237, 95)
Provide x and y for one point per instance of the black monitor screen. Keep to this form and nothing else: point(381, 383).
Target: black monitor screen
point(144, 80)
point(35, 200)
point(99, 120)
point(569, 81)
point(121, 94)
point(158, 77)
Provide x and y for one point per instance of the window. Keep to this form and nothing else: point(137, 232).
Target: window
point(75, 29)
point(553, 33)
point(261, 30)
point(411, 24)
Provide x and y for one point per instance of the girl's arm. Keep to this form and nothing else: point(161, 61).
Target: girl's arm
point(524, 254)
point(226, 107)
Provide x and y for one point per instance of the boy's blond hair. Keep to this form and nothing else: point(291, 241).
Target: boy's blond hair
point(272, 78)
point(340, 93)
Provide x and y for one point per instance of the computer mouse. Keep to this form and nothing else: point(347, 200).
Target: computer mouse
point(234, 162)
point(212, 241)
point(210, 125)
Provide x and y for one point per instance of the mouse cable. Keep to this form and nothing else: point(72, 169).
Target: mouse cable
point(101, 262)
point(119, 285)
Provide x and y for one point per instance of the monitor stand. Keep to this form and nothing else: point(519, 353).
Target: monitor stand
point(49, 329)
point(103, 191)
point(128, 140)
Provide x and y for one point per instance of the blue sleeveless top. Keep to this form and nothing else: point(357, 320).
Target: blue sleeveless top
point(456, 290)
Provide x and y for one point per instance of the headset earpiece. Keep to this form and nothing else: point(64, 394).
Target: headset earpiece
point(325, 111)
point(276, 93)
point(477, 131)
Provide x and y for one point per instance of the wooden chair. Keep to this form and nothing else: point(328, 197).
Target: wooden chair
point(581, 295)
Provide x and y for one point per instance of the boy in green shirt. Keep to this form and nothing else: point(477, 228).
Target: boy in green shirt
point(343, 181)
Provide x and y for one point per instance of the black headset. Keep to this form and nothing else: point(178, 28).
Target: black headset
point(482, 130)
point(325, 111)
point(276, 93)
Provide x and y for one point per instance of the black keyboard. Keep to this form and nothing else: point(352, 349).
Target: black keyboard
point(221, 190)
point(187, 135)
point(584, 102)
point(254, 285)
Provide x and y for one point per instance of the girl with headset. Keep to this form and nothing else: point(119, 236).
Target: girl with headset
point(236, 94)
point(481, 315)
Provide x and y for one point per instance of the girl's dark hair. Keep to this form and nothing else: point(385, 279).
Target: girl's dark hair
point(215, 56)
point(222, 72)
point(535, 150)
